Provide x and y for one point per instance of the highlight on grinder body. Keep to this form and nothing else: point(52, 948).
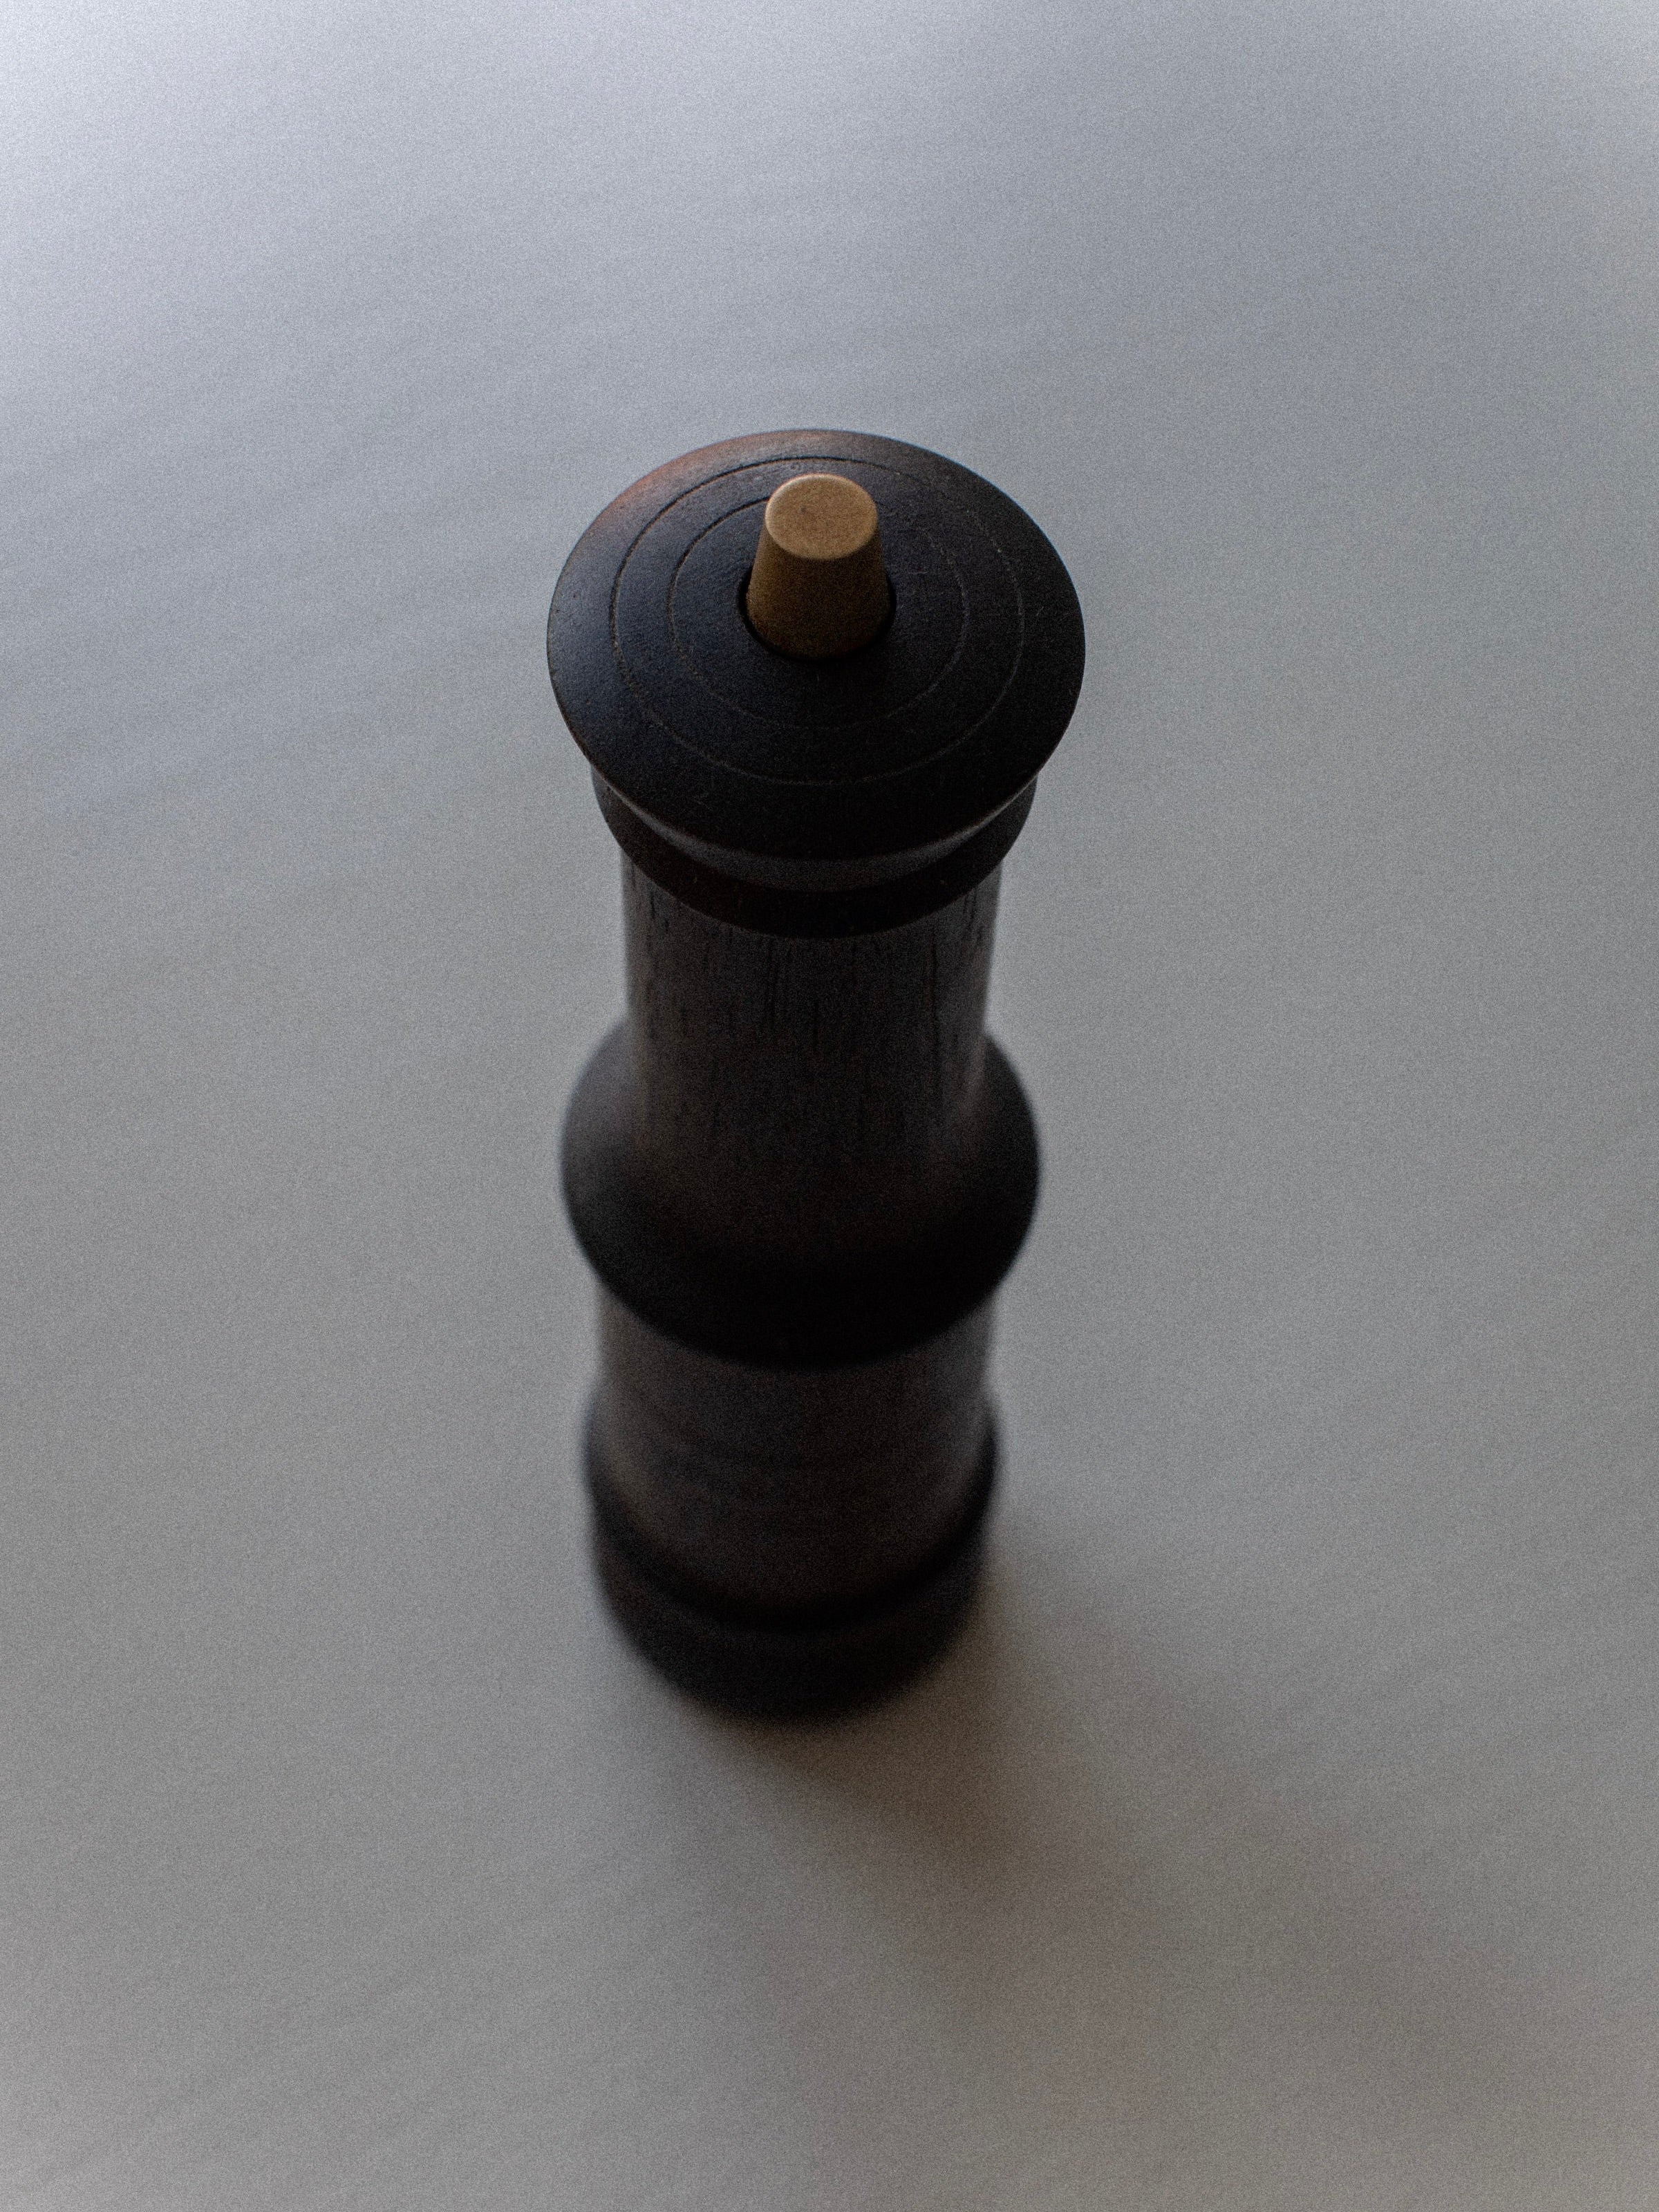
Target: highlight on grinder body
point(818, 588)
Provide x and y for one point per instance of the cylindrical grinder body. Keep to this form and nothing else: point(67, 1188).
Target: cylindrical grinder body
point(798, 1167)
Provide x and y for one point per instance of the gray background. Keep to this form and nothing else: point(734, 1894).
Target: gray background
point(1282, 1835)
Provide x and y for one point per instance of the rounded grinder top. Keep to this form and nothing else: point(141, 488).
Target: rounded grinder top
point(825, 771)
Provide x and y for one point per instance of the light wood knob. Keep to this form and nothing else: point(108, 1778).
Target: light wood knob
point(818, 588)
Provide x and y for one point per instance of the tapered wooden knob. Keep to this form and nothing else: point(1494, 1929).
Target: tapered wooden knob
point(818, 588)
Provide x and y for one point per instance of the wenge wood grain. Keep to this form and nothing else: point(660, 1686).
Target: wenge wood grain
point(802, 1101)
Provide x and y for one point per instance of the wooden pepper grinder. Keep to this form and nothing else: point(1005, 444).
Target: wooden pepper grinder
point(816, 674)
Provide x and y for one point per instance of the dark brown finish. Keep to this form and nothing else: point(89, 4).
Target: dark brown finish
point(800, 1168)
point(807, 1103)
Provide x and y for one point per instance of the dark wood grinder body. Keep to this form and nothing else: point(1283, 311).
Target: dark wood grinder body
point(798, 1167)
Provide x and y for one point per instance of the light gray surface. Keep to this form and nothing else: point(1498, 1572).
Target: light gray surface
point(1283, 1833)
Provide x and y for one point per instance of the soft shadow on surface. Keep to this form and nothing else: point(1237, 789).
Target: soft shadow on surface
point(1121, 1955)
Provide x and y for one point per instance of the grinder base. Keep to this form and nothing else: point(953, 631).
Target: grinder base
point(788, 1665)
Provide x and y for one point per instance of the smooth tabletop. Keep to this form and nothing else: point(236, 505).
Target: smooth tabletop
point(1284, 1836)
